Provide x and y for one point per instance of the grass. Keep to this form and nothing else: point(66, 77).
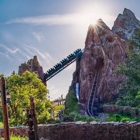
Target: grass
point(16, 138)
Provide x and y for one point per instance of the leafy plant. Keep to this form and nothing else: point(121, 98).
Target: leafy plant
point(71, 103)
point(53, 121)
point(78, 117)
point(21, 88)
point(12, 137)
point(119, 117)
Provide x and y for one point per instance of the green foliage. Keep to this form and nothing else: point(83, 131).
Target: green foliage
point(1, 75)
point(119, 117)
point(78, 117)
point(71, 103)
point(55, 109)
point(21, 88)
point(125, 119)
point(1, 115)
point(53, 121)
point(1, 124)
point(12, 137)
point(137, 118)
point(131, 69)
point(73, 109)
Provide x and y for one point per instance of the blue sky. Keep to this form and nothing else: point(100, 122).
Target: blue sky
point(51, 29)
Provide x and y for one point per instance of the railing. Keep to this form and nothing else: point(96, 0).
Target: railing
point(92, 97)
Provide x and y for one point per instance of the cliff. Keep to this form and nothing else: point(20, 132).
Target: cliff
point(32, 65)
point(104, 50)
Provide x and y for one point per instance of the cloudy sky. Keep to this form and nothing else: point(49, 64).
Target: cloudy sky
point(51, 29)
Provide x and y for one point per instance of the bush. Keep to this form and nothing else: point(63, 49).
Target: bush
point(68, 119)
point(53, 121)
point(118, 118)
point(125, 119)
point(71, 103)
point(18, 138)
point(78, 117)
point(137, 119)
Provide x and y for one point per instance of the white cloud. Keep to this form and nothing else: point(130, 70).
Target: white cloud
point(13, 52)
point(9, 50)
point(45, 56)
point(36, 50)
point(38, 36)
point(66, 19)
point(49, 19)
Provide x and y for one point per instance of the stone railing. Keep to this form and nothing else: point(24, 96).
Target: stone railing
point(87, 131)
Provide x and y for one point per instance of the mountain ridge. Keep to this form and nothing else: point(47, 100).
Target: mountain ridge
point(106, 46)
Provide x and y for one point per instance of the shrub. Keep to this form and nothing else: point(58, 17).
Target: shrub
point(71, 103)
point(118, 118)
point(53, 121)
point(124, 119)
point(78, 117)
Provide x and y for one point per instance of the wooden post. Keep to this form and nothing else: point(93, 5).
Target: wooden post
point(4, 110)
point(33, 114)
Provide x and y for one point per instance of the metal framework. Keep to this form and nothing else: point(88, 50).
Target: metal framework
point(93, 103)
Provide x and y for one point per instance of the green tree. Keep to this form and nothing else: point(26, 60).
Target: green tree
point(21, 88)
point(131, 69)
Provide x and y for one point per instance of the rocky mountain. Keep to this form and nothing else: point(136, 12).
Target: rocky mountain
point(104, 50)
point(32, 65)
point(126, 24)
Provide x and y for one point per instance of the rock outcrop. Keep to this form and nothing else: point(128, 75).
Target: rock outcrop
point(104, 50)
point(126, 24)
point(33, 66)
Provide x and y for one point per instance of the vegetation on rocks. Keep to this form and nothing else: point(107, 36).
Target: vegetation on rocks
point(130, 88)
point(119, 117)
point(73, 109)
point(131, 69)
point(71, 103)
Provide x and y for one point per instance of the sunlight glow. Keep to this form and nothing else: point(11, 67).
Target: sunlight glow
point(91, 13)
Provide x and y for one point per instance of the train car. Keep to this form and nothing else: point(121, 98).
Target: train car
point(71, 56)
point(58, 65)
point(63, 61)
point(77, 51)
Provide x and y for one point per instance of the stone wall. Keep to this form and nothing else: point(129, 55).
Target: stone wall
point(90, 131)
point(20, 131)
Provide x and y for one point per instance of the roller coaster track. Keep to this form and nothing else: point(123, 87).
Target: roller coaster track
point(62, 64)
point(93, 103)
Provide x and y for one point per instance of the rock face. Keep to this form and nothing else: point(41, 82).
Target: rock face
point(126, 24)
point(104, 50)
point(33, 66)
